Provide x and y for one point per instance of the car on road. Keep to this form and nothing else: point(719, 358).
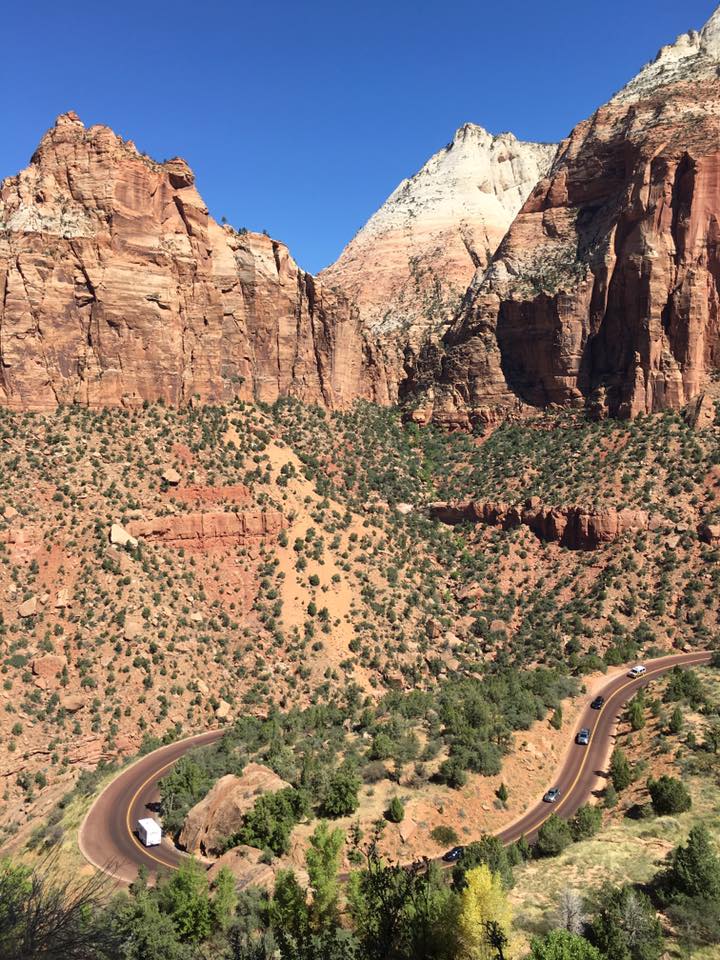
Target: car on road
point(598, 703)
point(583, 737)
point(452, 856)
point(552, 796)
point(637, 671)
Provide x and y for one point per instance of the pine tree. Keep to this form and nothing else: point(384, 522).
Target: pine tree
point(676, 721)
point(620, 771)
point(323, 863)
point(695, 869)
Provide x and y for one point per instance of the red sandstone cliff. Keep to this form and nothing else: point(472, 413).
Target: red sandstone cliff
point(606, 289)
point(117, 286)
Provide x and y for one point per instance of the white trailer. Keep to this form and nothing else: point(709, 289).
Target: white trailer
point(149, 831)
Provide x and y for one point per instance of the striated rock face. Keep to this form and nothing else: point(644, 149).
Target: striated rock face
point(220, 813)
point(117, 286)
point(605, 289)
point(571, 527)
point(211, 530)
point(411, 263)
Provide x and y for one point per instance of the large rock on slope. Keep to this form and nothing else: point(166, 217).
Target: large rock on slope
point(411, 263)
point(220, 814)
point(605, 289)
point(117, 286)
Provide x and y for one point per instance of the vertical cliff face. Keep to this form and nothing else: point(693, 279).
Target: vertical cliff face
point(605, 290)
point(117, 286)
point(411, 263)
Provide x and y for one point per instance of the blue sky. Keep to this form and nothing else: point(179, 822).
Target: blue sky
point(302, 117)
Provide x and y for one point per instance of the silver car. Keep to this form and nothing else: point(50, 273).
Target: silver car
point(552, 796)
point(583, 738)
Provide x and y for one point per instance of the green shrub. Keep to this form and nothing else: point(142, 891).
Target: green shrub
point(669, 796)
point(444, 836)
point(395, 811)
point(554, 835)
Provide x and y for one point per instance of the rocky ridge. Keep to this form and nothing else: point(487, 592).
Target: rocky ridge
point(118, 287)
point(605, 290)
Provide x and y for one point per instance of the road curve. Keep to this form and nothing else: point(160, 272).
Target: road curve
point(107, 840)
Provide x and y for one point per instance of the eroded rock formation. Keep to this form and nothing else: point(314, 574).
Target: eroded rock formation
point(573, 527)
point(605, 290)
point(117, 286)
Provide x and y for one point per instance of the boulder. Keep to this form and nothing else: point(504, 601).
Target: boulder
point(709, 533)
point(221, 812)
point(49, 666)
point(244, 864)
point(222, 710)
point(133, 627)
point(63, 599)
point(171, 476)
point(72, 703)
point(701, 413)
point(28, 608)
point(120, 537)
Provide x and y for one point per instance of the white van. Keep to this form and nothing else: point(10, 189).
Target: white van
point(638, 670)
point(149, 831)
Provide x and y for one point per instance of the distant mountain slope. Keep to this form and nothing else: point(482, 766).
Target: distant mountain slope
point(410, 264)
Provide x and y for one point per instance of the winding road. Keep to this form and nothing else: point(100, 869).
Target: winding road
point(107, 840)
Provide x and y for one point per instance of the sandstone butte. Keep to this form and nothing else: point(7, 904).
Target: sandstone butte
point(410, 265)
point(117, 286)
point(604, 292)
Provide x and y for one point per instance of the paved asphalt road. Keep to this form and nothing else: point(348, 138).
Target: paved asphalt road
point(108, 841)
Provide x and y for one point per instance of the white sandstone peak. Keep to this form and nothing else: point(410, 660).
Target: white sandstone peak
point(413, 260)
point(693, 55)
point(710, 36)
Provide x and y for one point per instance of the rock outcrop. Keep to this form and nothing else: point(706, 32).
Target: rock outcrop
point(117, 286)
point(572, 527)
point(211, 530)
point(221, 812)
point(605, 290)
point(410, 265)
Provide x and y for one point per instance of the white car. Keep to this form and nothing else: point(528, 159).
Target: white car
point(638, 670)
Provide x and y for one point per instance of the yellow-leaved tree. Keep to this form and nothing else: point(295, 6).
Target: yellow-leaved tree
point(484, 919)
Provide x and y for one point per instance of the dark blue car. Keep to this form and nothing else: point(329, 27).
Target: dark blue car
point(452, 856)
